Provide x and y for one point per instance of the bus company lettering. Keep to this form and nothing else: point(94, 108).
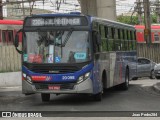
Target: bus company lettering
point(41, 78)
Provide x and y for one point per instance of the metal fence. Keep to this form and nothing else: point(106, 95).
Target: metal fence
point(10, 60)
point(152, 52)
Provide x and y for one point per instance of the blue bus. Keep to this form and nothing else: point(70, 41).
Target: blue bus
point(75, 54)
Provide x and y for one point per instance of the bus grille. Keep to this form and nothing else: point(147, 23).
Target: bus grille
point(62, 86)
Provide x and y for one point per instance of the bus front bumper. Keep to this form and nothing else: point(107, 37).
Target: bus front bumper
point(85, 87)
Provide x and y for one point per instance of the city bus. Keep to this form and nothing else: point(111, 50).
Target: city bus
point(75, 54)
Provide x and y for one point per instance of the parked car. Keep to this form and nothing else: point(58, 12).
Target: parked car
point(157, 71)
point(145, 68)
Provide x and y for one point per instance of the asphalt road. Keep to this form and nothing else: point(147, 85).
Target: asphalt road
point(139, 97)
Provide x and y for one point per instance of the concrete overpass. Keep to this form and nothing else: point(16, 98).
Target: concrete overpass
point(100, 8)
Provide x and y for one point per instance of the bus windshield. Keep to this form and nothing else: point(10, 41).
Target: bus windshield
point(57, 47)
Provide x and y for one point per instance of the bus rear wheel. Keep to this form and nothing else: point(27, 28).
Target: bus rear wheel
point(45, 97)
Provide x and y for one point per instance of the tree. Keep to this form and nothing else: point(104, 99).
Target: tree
point(134, 19)
point(128, 19)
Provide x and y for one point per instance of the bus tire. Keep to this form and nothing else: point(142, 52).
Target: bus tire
point(97, 97)
point(45, 97)
point(125, 85)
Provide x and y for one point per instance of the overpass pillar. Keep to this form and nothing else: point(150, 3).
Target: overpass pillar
point(100, 8)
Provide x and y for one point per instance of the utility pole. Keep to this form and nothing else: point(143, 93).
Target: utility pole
point(139, 11)
point(1, 10)
point(147, 19)
point(157, 4)
point(23, 9)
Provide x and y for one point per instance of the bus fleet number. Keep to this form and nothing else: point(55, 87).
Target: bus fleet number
point(68, 77)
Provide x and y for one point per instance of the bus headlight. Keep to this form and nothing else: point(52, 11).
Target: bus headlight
point(83, 77)
point(29, 79)
point(24, 75)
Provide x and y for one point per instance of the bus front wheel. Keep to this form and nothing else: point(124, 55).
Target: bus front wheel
point(45, 97)
point(125, 85)
point(97, 97)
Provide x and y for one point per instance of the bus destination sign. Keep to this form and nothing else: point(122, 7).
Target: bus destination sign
point(56, 21)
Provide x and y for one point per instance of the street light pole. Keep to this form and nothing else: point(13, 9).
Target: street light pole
point(23, 9)
point(139, 11)
point(1, 10)
point(147, 19)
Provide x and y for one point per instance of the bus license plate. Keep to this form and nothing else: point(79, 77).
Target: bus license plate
point(54, 87)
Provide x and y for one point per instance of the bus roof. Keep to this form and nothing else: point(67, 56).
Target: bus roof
point(60, 14)
point(112, 23)
point(11, 22)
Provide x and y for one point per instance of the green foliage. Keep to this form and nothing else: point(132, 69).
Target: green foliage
point(128, 19)
point(134, 19)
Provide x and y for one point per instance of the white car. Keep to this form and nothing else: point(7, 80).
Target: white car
point(157, 70)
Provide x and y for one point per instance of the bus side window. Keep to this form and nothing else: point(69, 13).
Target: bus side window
point(103, 38)
point(134, 40)
point(111, 46)
point(127, 40)
point(123, 40)
point(117, 40)
point(131, 39)
point(106, 36)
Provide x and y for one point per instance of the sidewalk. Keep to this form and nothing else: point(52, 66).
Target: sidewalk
point(156, 87)
point(10, 79)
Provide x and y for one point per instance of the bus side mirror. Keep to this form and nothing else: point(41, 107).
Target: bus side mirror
point(16, 41)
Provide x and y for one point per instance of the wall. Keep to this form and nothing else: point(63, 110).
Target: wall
point(151, 52)
point(10, 60)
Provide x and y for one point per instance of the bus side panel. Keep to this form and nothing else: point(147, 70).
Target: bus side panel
point(104, 65)
point(129, 59)
point(118, 75)
point(113, 72)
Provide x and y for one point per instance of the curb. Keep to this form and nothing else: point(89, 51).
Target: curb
point(15, 88)
point(156, 87)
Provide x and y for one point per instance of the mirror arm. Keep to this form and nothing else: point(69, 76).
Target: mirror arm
point(20, 52)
